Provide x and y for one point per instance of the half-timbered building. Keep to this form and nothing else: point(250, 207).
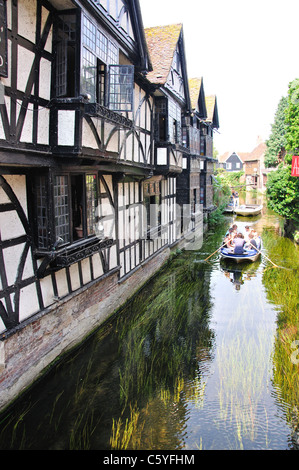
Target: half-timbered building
point(172, 105)
point(189, 187)
point(93, 135)
point(195, 184)
point(212, 124)
point(76, 146)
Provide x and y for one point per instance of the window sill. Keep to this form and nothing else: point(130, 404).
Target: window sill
point(97, 110)
point(65, 256)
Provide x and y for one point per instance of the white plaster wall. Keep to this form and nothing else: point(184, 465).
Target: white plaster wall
point(27, 19)
point(128, 148)
point(45, 14)
point(43, 126)
point(28, 301)
point(45, 79)
point(25, 62)
point(88, 139)
point(112, 145)
point(66, 127)
point(97, 265)
point(47, 291)
point(85, 270)
point(74, 274)
point(26, 135)
point(61, 282)
point(18, 185)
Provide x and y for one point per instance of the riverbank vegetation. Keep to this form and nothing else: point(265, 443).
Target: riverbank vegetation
point(222, 191)
point(282, 188)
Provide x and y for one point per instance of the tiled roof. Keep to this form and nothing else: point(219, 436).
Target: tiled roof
point(194, 89)
point(210, 105)
point(161, 43)
point(257, 153)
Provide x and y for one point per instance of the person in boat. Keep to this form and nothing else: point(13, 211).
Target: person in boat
point(233, 229)
point(228, 240)
point(257, 239)
point(247, 232)
point(251, 244)
point(239, 243)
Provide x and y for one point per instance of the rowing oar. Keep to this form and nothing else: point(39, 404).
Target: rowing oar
point(275, 265)
point(215, 251)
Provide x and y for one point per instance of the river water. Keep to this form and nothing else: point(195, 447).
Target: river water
point(203, 358)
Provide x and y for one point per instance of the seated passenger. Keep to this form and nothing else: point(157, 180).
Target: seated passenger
point(229, 238)
point(251, 242)
point(247, 232)
point(239, 243)
point(257, 239)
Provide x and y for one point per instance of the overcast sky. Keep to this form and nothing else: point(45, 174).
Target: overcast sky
point(246, 52)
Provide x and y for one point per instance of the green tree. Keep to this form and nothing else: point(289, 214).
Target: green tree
point(276, 143)
point(282, 188)
point(283, 193)
point(292, 119)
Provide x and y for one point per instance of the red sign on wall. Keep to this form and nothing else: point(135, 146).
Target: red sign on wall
point(295, 165)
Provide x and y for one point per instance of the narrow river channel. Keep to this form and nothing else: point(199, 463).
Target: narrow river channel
point(203, 358)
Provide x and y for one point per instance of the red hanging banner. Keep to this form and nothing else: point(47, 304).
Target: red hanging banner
point(295, 165)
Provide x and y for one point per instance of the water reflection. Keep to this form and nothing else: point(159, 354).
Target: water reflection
point(238, 276)
point(200, 359)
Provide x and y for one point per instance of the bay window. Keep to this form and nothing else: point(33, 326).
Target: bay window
point(65, 208)
point(103, 79)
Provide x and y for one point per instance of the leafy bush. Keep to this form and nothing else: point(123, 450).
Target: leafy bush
point(283, 193)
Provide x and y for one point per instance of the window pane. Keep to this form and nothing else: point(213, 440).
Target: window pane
point(41, 212)
point(112, 54)
point(89, 72)
point(102, 46)
point(121, 87)
point(61, 69)
point(89, 34)
point(91, 202)
point(61, 208)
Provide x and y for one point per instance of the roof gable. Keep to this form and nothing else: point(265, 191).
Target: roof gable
point(257, 153)
point(234, 157)
point(197, 97)
point(167, 52)
point(161, 43)
point(212, 111)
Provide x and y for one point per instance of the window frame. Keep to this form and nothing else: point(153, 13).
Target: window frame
point(51, 212)
point(98, 50)
point(124, 88)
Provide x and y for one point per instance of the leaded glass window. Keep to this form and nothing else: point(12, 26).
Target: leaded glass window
point(102, 46)
point(121, 85)
point(61, 208)
point(72, 213)
point(89, 78)
point(89, 34)
point(41, 211)
point(91, 202)
point(66, 53)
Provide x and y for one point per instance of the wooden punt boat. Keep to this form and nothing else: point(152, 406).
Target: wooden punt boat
point(248, 209)
point(248, 255)
point(229, 208)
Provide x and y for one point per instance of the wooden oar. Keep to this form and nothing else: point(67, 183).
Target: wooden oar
point(215, 251)
point(275, 265)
